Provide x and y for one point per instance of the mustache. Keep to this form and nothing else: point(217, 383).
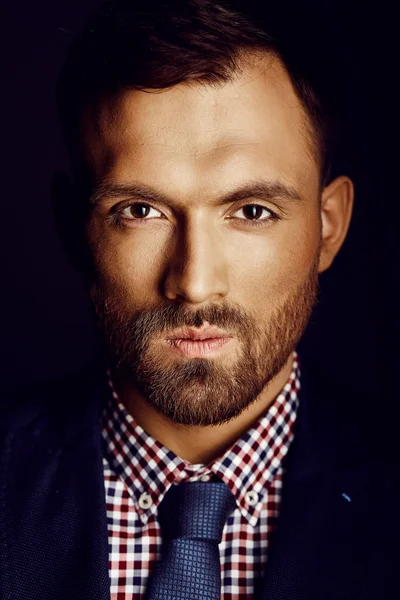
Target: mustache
point(165, 316)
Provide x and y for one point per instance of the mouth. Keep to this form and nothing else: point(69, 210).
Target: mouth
point(198, 348)
point(206, 331)
point(202, 342)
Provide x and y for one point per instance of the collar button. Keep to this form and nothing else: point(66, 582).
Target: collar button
point(145, 501)
point(251, 498)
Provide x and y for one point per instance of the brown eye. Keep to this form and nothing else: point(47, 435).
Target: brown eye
point(254, 212)
point(138, 210)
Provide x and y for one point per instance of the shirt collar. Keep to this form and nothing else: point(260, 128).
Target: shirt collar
point(248, 467)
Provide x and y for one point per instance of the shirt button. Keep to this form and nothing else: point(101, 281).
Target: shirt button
point(205, 478)
point(251, 498)
point(145, 501)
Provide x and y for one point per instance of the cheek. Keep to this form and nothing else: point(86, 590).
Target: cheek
point(273, 265)
point(128, 263)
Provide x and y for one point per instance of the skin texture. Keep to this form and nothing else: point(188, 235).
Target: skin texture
point(161, 265)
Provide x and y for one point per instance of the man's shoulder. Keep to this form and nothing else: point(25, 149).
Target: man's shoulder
point(353, 410)
point(50, 400)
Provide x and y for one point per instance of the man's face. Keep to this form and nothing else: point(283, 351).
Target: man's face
point(249, 267)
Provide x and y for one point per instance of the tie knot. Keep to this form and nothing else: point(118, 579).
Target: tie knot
point(197, 510)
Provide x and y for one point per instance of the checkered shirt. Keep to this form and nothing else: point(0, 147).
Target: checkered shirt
point(138, 471)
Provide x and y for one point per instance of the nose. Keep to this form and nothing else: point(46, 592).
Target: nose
point(197, 270)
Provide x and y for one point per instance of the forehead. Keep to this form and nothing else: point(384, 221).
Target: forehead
point(254, 123)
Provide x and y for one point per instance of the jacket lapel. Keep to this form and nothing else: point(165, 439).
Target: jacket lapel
point(324, 546)
point(53, 521)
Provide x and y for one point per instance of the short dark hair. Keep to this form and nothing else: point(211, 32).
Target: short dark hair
point(155, 44)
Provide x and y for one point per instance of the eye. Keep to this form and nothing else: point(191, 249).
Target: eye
point(138, 211)
point(253, 212)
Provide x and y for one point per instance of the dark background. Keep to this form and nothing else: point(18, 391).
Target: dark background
point(45, 321)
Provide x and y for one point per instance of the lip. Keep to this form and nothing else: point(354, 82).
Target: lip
point(206, 332)
point(198, 348)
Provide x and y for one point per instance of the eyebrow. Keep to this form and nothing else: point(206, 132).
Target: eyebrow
point(259, 188)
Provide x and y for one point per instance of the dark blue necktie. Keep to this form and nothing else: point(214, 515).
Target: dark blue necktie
point(192, 517)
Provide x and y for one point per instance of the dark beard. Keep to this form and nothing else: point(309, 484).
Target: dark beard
point(199, 391)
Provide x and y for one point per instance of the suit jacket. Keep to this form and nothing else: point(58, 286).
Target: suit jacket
point(337, 535)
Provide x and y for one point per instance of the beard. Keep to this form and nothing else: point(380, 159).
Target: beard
point(201, 391)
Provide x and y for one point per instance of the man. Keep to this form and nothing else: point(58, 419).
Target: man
point(202, 458)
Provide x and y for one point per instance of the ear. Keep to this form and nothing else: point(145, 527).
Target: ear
point(69, 216)
point(336, 209)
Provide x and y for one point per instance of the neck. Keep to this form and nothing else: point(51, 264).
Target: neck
point(198, 445)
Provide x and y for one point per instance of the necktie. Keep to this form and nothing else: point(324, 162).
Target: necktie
point(192, 518)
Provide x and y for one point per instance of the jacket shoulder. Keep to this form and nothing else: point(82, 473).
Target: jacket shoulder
point(353, 411)
point(54, 399)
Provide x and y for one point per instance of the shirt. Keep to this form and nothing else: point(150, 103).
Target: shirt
point(138, 471)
